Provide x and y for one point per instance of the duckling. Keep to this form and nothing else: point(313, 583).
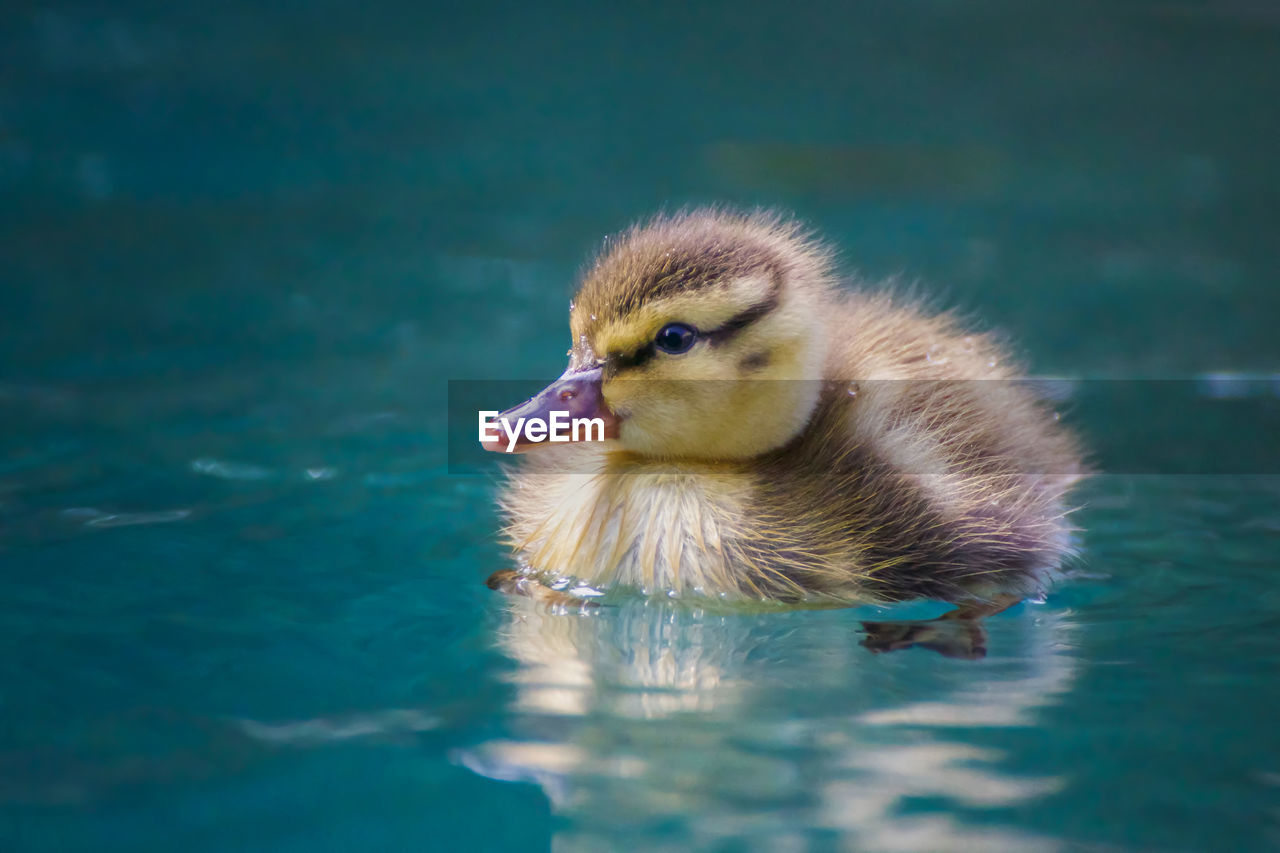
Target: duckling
point(771, 436)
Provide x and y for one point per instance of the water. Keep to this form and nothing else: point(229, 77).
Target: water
point(243, 254)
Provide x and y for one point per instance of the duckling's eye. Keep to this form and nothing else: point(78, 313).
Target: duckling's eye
point(675, 338)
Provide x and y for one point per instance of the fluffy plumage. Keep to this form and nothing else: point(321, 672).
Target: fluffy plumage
point(815, 445)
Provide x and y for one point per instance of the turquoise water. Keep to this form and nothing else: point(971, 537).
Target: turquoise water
point(244, 253)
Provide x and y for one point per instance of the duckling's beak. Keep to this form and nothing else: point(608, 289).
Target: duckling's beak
point(570, 409)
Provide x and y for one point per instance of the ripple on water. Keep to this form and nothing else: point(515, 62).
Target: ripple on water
point(398, 721)
point(228, 470)
point(93, 517)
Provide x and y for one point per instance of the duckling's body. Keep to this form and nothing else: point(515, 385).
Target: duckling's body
point(809, 445)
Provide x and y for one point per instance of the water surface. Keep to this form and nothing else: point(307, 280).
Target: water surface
point(244, 253)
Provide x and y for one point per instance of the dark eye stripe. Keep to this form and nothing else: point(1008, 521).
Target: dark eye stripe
point(724, 332)
point(741, 320)
point(626, 361)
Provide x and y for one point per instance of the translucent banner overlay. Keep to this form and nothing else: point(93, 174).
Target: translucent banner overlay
point(1209, 425)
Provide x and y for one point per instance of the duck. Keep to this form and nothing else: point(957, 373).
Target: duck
point(766, 432)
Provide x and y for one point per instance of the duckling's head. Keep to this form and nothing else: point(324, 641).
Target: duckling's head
point(700, 335)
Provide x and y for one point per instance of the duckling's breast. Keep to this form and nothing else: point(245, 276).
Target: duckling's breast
point(618, 522)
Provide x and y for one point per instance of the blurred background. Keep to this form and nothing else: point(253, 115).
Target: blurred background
point(243, 247)
point(278, 180)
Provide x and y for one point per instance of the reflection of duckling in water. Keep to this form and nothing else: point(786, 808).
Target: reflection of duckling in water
point(772, 438)
point(692, 729)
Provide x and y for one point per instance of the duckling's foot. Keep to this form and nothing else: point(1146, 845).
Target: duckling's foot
point(956, 634)
point(954, 638)
point(513, 583)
